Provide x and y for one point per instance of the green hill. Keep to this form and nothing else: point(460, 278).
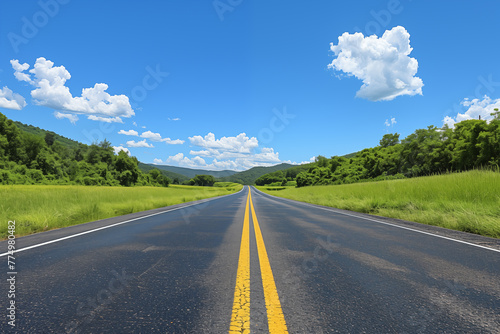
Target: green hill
point(30, 155)
point(171, 175)
point(249, 176)
point(66, 142)
point(189, 173)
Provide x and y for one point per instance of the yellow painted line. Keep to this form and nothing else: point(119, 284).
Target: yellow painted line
point(275, 317)
point(240, 319)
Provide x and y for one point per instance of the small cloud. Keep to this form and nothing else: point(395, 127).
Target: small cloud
point(157, 161)
point(151, 136)
point(181, 160)
point(128, 133)
point(135, 124)
point(72, 117)
point(143, 126)
point(157, 137)
point(105, 119)
point(174, 119)
point(390, 122)
point(11, 100)
point(142, 143)
point(173, 142)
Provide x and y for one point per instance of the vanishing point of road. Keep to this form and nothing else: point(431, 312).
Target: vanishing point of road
point(251, 262)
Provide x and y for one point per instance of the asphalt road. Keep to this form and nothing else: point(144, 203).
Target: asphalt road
point(303, 268)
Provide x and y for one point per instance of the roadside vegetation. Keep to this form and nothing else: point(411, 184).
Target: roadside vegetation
point(467, 201)
point(470, 145)
point(37, 208)
point(30, 155)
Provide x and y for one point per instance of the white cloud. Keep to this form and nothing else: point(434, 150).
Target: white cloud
point(157, 161)
point(476, 108)
point(174, 119)
point(181, 160)
point(72, 117)
point(235, 153)
point(175, 158)
point(157, 137)
point(50, 91)
point(128, 133)
point(11, 100)
point(241, 143)
point(173, 141)
point(117, 149)
point(151, 136)
point(199, 161)
point(105, 119)
point(390, 122)
point(135, 124)
point(383, 64)
point(19, 69)
point(142, 143)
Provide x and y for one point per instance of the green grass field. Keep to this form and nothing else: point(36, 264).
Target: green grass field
point(468, 201)
point(37, 208)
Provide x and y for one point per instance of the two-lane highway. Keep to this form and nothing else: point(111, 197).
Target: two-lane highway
point(250, 262)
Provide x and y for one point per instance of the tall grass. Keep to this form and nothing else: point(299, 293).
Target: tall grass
point(468, 201)
point(37, 208)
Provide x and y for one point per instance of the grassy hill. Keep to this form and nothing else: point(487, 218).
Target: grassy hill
point(66, 142)
point(466, 201)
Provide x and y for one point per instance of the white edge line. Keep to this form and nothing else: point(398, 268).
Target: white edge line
point(112, 225)
point(380, 222)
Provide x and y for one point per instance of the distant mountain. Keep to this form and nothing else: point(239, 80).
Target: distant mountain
point(245, 177)
point(249, 176)
point(190, 173)
point(171, 175)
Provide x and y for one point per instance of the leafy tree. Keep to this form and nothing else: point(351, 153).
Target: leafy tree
point(50, 138)
point(321, 161)
point(389, 139)
point(203, 180)
point(127, 169)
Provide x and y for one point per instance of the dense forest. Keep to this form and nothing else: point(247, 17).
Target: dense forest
point(470, 144)
point(29, 155)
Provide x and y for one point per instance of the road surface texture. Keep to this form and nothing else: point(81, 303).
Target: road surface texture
point(254, 263)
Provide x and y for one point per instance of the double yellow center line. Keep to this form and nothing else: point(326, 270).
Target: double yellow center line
point(240, 319)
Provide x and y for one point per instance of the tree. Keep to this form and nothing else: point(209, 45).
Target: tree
point(389, 139)
point(321, 161)
point(203, 180)
point(335, 162)
point(158, 178)
point(123, 164)
point(50, 138)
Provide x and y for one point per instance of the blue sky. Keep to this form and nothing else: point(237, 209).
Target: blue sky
point(231, 84)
